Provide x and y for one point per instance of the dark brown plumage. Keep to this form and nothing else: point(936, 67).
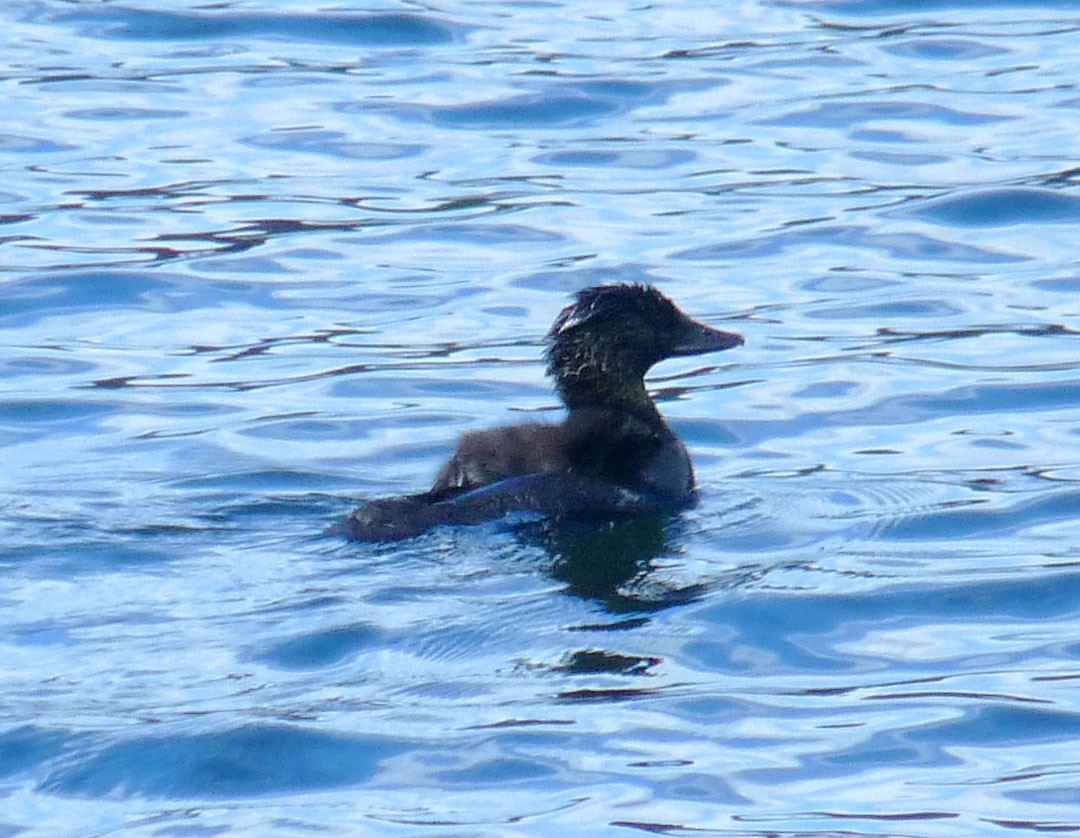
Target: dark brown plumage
point(613, 455)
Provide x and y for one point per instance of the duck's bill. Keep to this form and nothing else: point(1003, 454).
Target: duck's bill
point(699, 338)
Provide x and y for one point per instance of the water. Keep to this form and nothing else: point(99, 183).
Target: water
point(261, 261)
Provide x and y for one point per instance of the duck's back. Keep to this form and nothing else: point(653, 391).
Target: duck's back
point(604, 444)
point(485, 457)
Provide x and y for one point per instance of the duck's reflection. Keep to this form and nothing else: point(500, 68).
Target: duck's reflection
point(613, 563)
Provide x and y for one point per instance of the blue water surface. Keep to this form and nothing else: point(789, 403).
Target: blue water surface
point(262, 260)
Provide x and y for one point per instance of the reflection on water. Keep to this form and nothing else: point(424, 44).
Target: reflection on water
point(612, 564)
point(260, 263)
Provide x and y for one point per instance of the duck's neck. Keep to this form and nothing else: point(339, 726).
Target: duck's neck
point(623, 394)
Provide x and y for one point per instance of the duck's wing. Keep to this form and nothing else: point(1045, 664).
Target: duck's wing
point(485, 457)
point(549, 494)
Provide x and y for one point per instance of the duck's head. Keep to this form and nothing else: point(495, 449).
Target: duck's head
point(601, 346)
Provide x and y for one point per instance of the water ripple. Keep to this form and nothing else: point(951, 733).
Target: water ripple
point(368, 30)
point(1000, 208)
point(836, 114)
point(898, 245)
point(260, 263)
point(231, 763)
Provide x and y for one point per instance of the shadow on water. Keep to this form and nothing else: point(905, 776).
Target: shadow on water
point(613, 563)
